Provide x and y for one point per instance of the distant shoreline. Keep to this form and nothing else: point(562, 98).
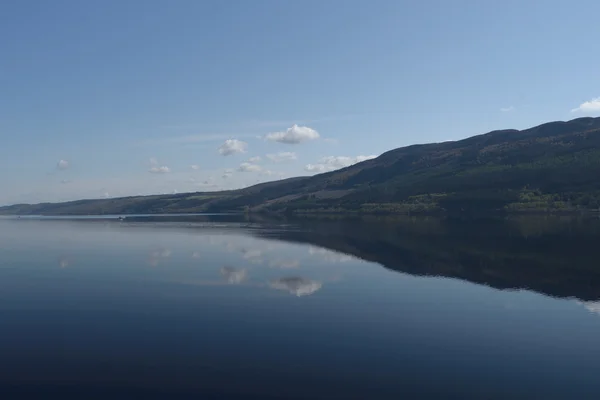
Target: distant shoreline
point(350, 213)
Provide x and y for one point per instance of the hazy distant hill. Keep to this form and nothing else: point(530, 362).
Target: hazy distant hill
point(551, 167)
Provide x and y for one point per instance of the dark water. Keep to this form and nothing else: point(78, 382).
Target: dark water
point(220, 307)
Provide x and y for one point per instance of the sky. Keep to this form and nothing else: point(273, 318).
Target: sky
point(107, 98)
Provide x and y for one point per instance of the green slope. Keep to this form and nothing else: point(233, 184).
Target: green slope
point(555, 166)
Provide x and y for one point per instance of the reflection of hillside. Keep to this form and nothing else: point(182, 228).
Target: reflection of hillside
point(557, 257)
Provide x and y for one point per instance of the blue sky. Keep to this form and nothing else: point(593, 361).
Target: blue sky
point(131, 94)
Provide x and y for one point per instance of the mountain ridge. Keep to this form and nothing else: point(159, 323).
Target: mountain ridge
point(552, 167)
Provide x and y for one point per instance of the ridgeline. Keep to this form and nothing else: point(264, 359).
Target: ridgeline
point(554, 167)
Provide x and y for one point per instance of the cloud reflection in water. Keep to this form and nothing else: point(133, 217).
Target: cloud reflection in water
point(157, 255)
point(64, 262)
point(234, 275)
point(296, 285)
point(284, 264)
point(254, 256)
point(591, 306)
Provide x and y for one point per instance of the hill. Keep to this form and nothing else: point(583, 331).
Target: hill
point(548, 168)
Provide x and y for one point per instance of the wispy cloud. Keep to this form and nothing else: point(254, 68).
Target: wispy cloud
point(508, 109)
point(282, 156)
point(304, 121)
point(163, 169)
point(254, 160)
point(259, 123)
point(156, 168)
point(332, 163)
point(268, 172)
point(591, 107)
point(207, 185)
point(192, 139)
point(248, 167)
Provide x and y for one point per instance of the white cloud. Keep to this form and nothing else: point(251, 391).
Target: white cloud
point(591, 107)
point(62, 165)
point(296, 285)
point(160, 170)
point(156, 168)
point(507, 109)
point(233, 275)
point(232, 146)
point(207, 185)
point(188, 139)
point(282, 156)
point(226, 175)
point(254, 159)
point(65, 181)
point(195, 167)
point(332, 163)
point(247, 167)
point(294, 135)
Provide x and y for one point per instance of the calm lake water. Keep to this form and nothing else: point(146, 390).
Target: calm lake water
point(225, 307)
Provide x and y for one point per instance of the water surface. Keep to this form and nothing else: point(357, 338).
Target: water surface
point(226, 307)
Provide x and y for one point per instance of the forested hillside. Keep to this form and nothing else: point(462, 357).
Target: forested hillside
point(548, 168)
